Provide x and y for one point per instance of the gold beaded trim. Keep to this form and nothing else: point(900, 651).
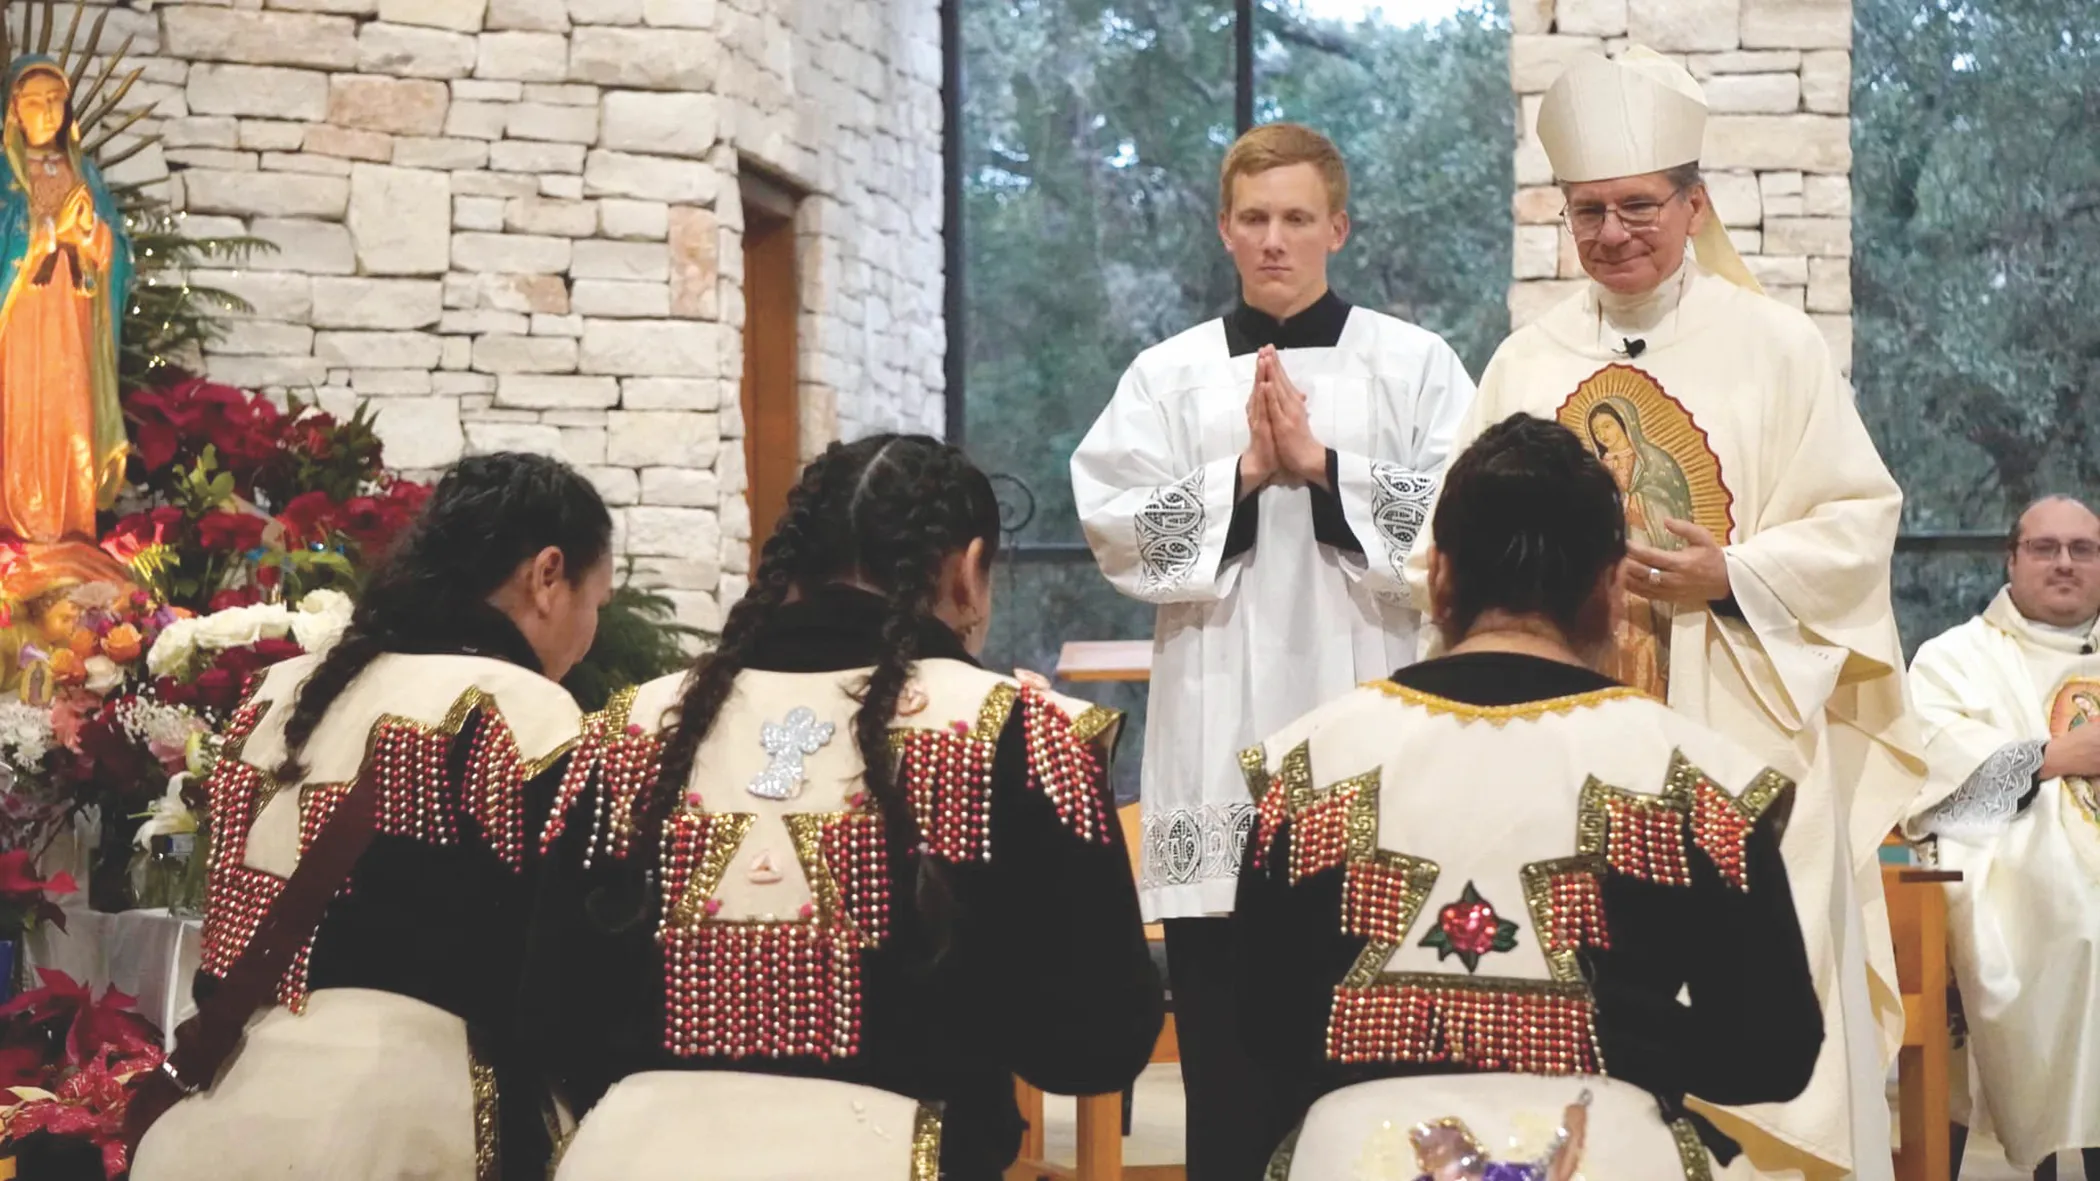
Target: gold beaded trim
point(926, 1144)
point(807, 830)
point(1502, 715)
point(1719, 823)
point(488, 1128)
point(1691, 1151)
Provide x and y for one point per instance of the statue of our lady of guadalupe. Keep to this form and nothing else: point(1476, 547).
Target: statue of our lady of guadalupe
point(66, 265)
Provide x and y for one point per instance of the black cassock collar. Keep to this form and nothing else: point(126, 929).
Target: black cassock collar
point(1317, 327)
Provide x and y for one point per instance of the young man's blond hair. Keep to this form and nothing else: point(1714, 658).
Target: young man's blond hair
point(1280, 145)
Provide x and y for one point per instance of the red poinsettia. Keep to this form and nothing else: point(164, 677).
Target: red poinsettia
point(88, 1026)
point(89, 1104)
point(308, 518)
point(25, 897)
point(175, 422)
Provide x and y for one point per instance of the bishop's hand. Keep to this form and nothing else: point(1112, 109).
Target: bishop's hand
point(2074, 752)
point(1690, 577)
point(1301, 456)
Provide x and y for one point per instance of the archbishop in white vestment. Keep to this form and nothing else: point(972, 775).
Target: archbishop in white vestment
point(1763, 521)
point(2007, 701)
point(1248, 640)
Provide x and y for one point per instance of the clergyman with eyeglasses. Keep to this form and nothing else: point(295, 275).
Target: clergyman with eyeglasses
point(1760, 526)
point(2007, 701)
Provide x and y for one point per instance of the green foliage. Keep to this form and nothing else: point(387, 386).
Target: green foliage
point(1976, 183)
point(638, 640)
point(170, 318)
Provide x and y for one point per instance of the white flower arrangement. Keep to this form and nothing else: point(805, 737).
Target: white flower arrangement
point(318, 623)
point(25, 733)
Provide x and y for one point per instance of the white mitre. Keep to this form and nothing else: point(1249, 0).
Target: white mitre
point(1642, 113)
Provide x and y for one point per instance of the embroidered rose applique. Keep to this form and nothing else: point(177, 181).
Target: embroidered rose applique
point(1469, 929)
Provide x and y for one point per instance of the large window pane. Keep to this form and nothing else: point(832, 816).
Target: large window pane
point(1036, 607)
point(1976, 230)
point(1092, 134)
point(1416, 95)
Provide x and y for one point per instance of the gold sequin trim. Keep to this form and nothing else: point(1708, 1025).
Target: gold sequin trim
point(1645, 836)
point(1502, 715)
point(926, 1144)
point(488, 1138)
point(1382, 896)
point(998, 705)
point(725, 831)
point(1093, 722)
point(1691, 1151)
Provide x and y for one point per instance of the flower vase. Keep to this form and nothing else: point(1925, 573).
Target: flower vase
point(110, 885)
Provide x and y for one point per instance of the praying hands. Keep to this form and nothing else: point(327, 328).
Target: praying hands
point(1281, 446)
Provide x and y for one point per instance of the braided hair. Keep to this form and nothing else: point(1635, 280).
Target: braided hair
point(489, 514)
point(1528, 522)
point(883, 512)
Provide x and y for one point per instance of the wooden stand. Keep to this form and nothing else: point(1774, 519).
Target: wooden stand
point(1917, 901)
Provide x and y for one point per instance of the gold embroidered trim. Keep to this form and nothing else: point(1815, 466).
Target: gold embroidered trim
point(1334, 825)
point(725, 831)
point(1502, 715)
point(1539, 880)
point(926, 1144)
point(997, 706)
point(1093, 722)
point(1417, 876)
point(1691, 1151)
point(1629, 829)
point(488, 1137)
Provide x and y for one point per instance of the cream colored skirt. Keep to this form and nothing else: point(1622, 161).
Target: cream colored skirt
point(718, 1125)
point(363, 1086)
point(1361, 1133)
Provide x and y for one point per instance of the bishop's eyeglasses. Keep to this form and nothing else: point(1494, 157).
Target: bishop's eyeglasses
point(2045, 549)
point(1638, 216)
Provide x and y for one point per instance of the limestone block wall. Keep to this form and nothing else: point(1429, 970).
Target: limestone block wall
point(1778, 78)
point(516, 224)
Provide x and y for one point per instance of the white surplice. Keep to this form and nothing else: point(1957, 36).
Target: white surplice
point(2024, 921)
point(1739, 419)
point(1245, 644)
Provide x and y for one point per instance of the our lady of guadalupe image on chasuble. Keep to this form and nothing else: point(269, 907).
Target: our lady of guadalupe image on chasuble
point(1666, 471)
point(2077, 703)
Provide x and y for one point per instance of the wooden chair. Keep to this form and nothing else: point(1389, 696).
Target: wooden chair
point(1100, 1131)
point(1917, 900)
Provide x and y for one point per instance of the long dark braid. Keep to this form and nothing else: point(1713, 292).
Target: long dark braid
point(488, 515)
point(884, 511)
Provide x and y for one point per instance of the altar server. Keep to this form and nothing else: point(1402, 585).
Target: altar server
point(1261, 477)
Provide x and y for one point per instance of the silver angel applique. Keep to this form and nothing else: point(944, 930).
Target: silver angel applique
point(787, 743)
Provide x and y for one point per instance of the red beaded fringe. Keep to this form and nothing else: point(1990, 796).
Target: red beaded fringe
point(857, 858)
point(1722, 831)
point(948, 778)
point(1645, 840)
point(1380, 900)
point(1064, 769)
point(623, 762)
point(1526, 1028)
point(761, 990)
point(1574, 912)
point(1320, 831)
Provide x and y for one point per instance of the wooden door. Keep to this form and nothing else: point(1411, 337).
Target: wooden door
point(772, 307)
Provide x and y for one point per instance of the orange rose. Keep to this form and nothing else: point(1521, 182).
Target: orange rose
point(123, 643)
point(66, 666)
point(82, 642)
